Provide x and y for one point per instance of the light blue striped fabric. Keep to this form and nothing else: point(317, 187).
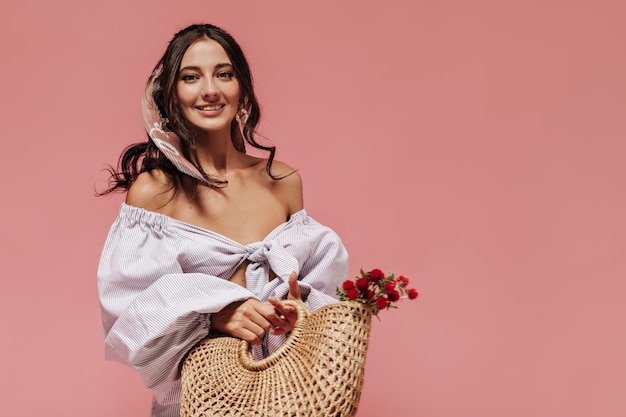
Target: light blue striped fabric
point(159, 279)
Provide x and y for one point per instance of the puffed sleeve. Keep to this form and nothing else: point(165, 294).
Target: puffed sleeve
point(152, 311)
point(327, 266)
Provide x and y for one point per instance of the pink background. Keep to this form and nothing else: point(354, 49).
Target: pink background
point(477, 147)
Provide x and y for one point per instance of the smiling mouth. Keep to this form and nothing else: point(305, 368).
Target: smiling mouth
point(209, 108)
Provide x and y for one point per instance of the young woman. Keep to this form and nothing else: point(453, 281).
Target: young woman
point(210, 239)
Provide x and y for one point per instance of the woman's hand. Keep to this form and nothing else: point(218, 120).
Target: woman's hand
point(288, 313)
point(247, 320)
point(250, 319)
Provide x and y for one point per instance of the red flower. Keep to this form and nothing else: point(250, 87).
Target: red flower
point(381, 303)
point(377, 290)
point(403, 281)
point(362, 283)
point(352, 294)
point(376, 275)
point(347, 284)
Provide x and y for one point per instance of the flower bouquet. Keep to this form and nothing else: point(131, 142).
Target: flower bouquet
point(376, 290)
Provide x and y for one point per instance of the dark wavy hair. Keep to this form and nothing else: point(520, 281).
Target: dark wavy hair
point(145, 156)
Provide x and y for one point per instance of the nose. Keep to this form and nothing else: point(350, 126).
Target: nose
point(210, 89)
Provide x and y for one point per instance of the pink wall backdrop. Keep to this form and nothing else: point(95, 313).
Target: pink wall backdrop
point(476, 147)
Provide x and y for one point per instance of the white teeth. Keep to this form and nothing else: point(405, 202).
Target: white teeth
point(216, 107)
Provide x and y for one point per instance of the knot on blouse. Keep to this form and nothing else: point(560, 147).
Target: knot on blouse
point(266, 256)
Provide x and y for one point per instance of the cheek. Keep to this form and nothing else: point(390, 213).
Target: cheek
point(235, 90)
point(236, 95)
point(184, 94)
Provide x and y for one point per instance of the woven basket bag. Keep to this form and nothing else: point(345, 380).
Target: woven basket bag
point(317, 372)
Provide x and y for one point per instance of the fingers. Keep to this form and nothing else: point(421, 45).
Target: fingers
point(244, 319)
point(252, 337)
point(250, 319)
point(278, 311)
point(294, 288)
point(284, 310)
point(289, 317)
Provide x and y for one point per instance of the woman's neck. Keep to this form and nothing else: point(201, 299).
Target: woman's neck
point(217, 154)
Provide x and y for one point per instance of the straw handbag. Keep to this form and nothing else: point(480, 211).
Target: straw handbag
point(317, 372)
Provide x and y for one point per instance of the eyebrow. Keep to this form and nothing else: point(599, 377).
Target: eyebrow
point(196, 68)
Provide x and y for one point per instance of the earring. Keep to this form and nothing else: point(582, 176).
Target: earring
point(242, 116)
point(164, 123)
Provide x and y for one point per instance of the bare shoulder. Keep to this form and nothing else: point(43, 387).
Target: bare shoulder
point(289, 186)
point(151, 191)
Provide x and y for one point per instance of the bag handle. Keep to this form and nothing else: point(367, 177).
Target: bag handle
point(245, 349)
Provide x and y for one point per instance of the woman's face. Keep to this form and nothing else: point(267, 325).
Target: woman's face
point(207, 90)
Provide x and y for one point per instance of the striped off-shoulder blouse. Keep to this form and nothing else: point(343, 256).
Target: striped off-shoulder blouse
point(159, 280)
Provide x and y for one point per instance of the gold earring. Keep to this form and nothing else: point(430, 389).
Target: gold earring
point(242, 116)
